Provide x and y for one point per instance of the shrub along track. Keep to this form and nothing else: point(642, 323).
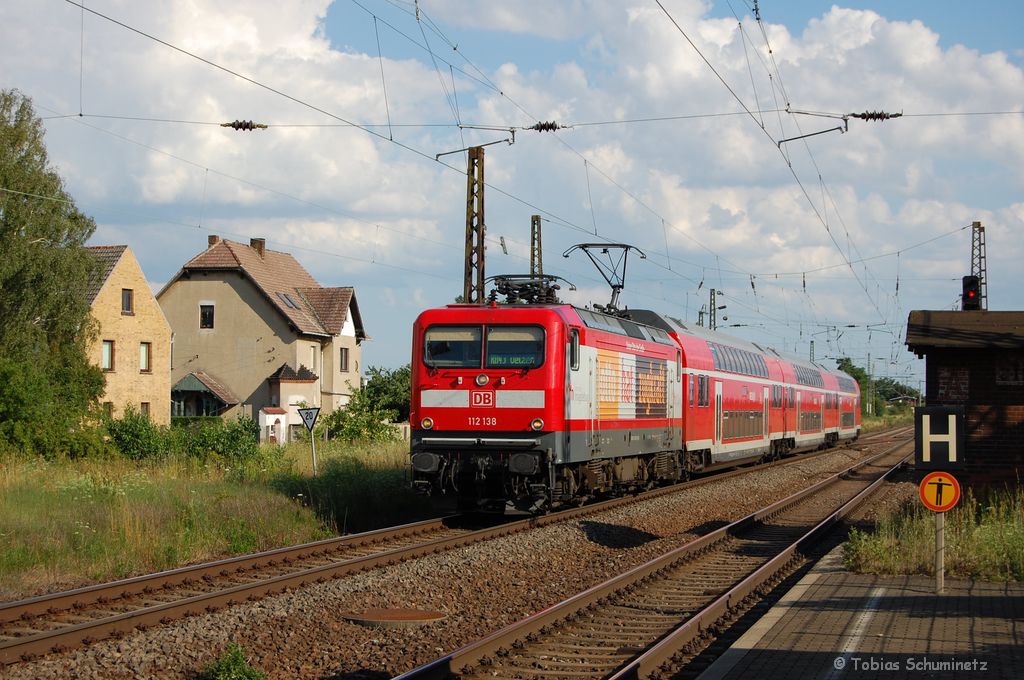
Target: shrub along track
point(59, 621)
point(652, 618)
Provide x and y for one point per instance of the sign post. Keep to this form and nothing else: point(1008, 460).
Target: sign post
point(940, 492)
point(309, 416)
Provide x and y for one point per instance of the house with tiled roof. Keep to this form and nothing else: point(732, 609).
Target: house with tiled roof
point(256, 335)
point(133, 345)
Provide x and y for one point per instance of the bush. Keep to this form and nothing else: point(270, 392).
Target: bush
point(361, 419)
point(135, 435)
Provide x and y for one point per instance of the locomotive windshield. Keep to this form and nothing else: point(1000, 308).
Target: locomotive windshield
point(465, 347)
point(515, 347)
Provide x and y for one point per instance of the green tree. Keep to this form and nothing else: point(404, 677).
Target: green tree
point(389, 389)
point(45, 271)
point(867, 391)
point(889, 388)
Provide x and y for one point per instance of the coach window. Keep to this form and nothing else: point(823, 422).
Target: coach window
point(574, 349)
point(689, 382)
point(515, 346)
point(452, 346)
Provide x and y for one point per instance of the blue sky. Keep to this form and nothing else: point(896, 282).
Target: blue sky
point(824, 229)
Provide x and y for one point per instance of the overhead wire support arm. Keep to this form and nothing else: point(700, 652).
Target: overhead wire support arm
point(845, 127)
point(498, 141)
point(840, 128)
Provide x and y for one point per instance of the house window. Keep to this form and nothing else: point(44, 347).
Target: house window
point(145, 349)
point(144, 408)
point(108, 409)
point(343, 360)
point(127, 301)
point(312, 358)
point(206, 316)
point(107, 359)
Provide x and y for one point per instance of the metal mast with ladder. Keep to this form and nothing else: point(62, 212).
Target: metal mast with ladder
point(978, 260)
point(473, 284)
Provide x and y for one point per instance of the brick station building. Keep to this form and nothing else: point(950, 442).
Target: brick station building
point(975, 359)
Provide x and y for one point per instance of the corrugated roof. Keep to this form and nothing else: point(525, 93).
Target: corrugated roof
point(971, 329)
point(310, 307)
point(107, 257)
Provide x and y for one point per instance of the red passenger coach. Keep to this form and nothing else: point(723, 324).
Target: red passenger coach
point(523, 407)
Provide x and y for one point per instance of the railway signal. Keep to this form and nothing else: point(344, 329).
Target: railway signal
point(971, 297)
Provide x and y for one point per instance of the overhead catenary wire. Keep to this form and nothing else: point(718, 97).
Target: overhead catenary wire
point(454, 47)
point(554, 218)
point(789, 163)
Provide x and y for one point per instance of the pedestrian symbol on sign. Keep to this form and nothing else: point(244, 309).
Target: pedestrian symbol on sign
point(940, 491)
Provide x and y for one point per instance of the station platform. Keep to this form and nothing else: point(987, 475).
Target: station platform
point(835, 624)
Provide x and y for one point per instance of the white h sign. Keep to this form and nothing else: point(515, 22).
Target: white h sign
point(927, 438)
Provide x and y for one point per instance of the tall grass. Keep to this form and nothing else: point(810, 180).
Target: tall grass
point(67, 522)
point(359, 486)
point(984, 539)
point(887, 420)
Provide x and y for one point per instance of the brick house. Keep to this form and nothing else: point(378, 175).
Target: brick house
point(256, 335)
point(133, 347)
point(975, 360)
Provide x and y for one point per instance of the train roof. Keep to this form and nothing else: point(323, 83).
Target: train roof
point(674, 325)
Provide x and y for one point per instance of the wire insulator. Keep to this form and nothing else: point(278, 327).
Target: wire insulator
point(875, 115)
point(549, 126)
point(244, 125)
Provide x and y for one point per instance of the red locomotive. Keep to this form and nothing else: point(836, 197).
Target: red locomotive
point(525, 407)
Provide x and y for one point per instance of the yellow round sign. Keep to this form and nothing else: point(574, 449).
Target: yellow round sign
point(939, 491)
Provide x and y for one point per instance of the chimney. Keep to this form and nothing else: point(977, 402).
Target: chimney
point(259, 245)
point(212, 240)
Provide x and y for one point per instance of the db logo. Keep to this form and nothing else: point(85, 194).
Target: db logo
point(481, 399)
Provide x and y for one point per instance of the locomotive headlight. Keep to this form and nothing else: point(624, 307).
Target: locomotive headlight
point(482, 379)
point(427, 423)
point(536, 424)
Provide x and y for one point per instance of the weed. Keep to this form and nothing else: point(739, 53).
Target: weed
point(984, 539)
point(232, 665)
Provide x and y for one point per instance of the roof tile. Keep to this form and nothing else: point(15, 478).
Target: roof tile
point(107, 257)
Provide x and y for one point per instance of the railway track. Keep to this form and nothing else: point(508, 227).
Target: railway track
point(651, 619)
point(60, 621)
